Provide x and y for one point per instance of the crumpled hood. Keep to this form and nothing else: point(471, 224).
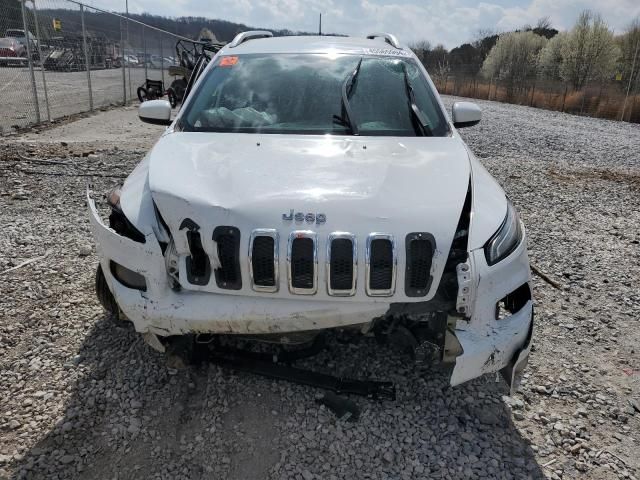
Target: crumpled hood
point(361, 184)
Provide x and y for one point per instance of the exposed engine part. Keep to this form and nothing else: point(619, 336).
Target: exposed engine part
point(421, 336)
point(402, 339)
point(427, 353)
point(171, 263)
point(263, 350)
point(294, 339)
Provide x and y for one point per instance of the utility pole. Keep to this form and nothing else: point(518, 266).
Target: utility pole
point(125, 58)
point(320, 26)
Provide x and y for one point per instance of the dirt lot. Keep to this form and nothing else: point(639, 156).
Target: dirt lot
point(81, 398)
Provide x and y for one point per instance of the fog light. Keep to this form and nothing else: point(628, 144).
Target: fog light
point(127, 277)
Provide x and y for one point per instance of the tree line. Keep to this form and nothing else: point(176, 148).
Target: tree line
point(588, 52)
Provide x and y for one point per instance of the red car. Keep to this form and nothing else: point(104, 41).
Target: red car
point(12, 51)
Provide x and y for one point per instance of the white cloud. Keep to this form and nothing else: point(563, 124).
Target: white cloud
point(450, 22)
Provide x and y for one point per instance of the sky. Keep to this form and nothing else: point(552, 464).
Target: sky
point(449, 22)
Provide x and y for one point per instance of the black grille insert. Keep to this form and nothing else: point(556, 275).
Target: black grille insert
point(302, 263)
point(198, 266)
point(341, 264)
point(262, 261)
point(381, 264)
point(419, 249)
point(228, 242)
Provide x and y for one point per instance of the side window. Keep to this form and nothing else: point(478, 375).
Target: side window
point(425, 100)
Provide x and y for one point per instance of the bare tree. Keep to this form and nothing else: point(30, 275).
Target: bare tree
point(513, 59)
point(421, 48)
point(589, 51)
point(544, 23)
point(441, 72)
point(482, 33)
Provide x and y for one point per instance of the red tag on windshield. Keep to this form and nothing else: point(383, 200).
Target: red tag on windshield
point(228, 61)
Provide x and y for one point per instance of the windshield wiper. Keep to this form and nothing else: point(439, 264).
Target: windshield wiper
point(420, 123)
point(346, 117)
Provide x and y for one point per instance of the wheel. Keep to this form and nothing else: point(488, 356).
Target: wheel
point(105, 297)
point(178, 86)
point(142, 94)
point(171, 95)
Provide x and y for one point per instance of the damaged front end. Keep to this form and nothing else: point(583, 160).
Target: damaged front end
point(479, 320)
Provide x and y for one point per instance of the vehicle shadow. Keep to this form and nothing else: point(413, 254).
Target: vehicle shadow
point(129, 416)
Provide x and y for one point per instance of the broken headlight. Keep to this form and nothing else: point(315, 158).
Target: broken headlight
point(119, 222)
point(506, 239)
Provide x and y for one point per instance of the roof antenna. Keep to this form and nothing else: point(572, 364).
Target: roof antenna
point(320, 26)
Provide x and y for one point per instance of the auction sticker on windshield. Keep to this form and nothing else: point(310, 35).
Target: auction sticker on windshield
point(228, 61)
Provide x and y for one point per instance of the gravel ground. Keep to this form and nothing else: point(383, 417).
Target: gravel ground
point(82, 398)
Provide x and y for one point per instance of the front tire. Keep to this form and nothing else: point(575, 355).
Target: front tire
point(105, 297)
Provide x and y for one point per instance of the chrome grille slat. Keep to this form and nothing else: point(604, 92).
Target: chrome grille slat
point(342, 264)
point(302, 260)
point(380, 265)
point(264, 260)
point(419, 253)
point(228, 275)
point(341, 267)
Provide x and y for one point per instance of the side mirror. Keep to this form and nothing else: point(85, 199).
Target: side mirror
point(157, 112)
point(465, 114)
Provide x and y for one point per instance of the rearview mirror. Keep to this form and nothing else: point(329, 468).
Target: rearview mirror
point(157, 112)
point(465, 114)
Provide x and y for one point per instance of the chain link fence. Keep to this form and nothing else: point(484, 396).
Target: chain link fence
point(60, 57)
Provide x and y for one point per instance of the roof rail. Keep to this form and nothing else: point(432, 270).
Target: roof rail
point(245, 36)
point(389, 38)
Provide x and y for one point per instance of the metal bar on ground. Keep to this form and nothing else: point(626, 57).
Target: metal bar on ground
point(34, 90)
point(373, 389)
point(86, 57)
point(44, 77)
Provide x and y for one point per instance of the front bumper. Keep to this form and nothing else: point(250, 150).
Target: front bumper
point(489, 345)
point(163, 311)
point(492, 345)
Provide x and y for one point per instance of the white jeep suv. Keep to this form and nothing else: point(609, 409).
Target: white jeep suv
point(312, 183)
